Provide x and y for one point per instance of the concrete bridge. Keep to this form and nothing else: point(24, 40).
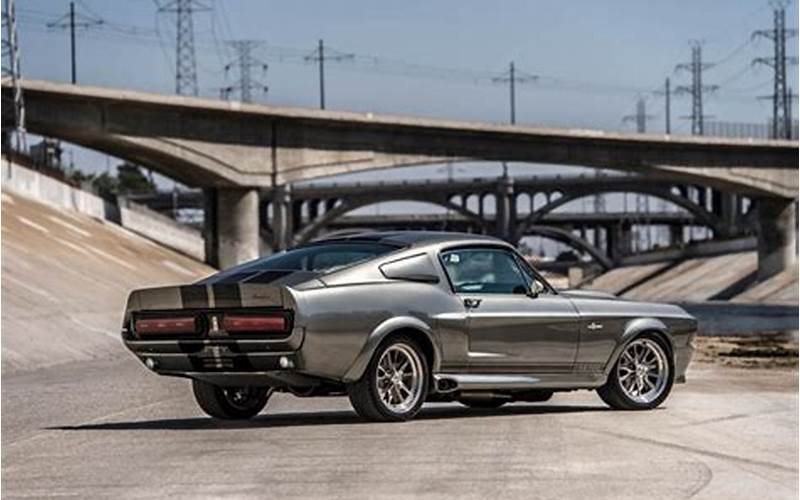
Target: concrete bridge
point(234, 149)
point(508, 208)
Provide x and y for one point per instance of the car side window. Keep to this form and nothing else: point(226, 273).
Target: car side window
point(484, 270)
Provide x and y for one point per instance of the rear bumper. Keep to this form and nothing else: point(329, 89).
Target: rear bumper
point(220, 359)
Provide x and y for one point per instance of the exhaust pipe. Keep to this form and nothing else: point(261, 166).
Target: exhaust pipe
point(444, 385)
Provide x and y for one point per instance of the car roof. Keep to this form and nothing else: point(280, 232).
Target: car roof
point(412, 238)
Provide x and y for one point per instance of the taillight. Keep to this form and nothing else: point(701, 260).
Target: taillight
point(180, 325)
point(254, 324)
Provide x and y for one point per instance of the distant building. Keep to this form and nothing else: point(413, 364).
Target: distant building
point(47, 153)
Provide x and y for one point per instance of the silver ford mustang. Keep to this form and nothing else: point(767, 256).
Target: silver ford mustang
point(397, 319)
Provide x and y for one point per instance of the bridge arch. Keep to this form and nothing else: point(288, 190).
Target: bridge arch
point(311, 230)
point(703, 216)
point(571, 240)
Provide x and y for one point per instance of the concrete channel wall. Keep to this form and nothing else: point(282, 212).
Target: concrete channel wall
point(139, 219)
point(727, 318)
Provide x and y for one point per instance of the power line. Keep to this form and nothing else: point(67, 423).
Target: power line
point(185, 61)
point(781, 95)
point(641, 116)
point(512, 77)
point(244, 63)
point(696, 89)
point(319, 56)
point(72, 20)
point(11, 50)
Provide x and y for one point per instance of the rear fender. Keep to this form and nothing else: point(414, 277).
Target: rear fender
point(377, 336)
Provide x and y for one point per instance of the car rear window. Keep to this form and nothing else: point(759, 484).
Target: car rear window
point(322, 257)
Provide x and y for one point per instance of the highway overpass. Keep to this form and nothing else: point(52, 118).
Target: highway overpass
point(233, 149)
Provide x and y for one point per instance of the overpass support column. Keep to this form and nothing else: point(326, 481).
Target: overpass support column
point(777, 236)
point(281, 218)
point(619, 241)
point(231, 226)
point(504, 198)
point(676, 235)
point(726, 207)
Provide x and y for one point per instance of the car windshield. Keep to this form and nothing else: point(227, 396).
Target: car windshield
point(321, 258)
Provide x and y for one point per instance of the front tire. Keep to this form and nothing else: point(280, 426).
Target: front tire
point(395, 384)
point(230, 403)
point(642, 377)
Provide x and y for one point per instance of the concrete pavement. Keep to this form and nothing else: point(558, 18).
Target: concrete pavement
point(105, 429)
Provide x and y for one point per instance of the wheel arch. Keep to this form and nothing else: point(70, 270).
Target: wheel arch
point(409, 325)
point(636, 328)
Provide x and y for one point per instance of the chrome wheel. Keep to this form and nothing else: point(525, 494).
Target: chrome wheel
point(643, 370)
point(399, 378)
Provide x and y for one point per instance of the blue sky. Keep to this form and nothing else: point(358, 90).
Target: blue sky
point(593, 56)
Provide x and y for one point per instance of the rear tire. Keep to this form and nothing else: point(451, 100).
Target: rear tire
point(536, 396)
point(642, 377)
point(230, 403)
point(395, 384)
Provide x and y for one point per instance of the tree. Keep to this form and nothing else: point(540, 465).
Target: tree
point(105, 185)
point(131, 179)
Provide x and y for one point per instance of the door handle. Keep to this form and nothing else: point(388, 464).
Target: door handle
point(472, 303)
point(594, 326)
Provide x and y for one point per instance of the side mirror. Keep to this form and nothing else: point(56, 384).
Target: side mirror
point(536, 288)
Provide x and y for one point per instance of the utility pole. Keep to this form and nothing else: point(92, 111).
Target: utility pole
point(781, 95)
point(319, 56)
point(512, 77)
point(245, 61)
point(12, 70)
point(71, 20)
point(640, 117)
point(667, 93)
point(696, 89)
point(185, 62)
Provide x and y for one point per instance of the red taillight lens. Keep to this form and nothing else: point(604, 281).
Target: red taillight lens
point(165, 326)
point(254, 324)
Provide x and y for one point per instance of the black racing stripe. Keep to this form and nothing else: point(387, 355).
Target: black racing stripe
point(226, 295)
point(268, 276)
point(194, 296)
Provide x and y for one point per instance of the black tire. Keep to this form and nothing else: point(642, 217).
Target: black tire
point(537, 396)
point(230, 403)
point(613, 394)
point(483, 403)
point(364, 393)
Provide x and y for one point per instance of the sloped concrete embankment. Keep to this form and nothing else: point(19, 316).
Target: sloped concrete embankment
point(65, 279)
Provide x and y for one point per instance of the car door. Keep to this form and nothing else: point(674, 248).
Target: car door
point(511, 329)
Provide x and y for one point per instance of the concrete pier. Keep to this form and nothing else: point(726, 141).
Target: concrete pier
point(777, 236)
point(232, 226)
